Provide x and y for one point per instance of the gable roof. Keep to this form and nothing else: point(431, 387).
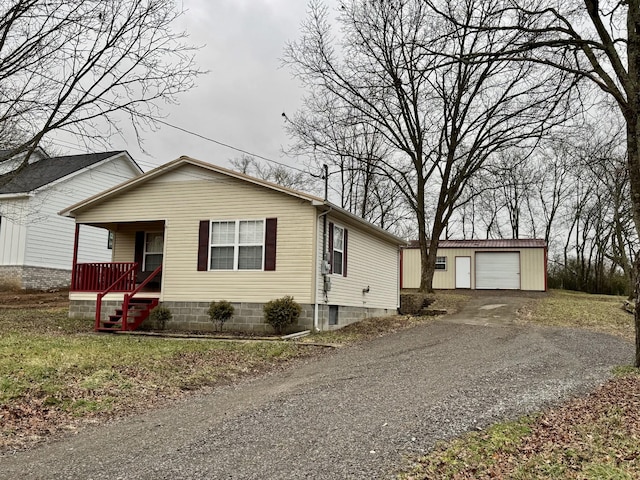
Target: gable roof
point(490, 243)
point(184, 160)
point(48, 170)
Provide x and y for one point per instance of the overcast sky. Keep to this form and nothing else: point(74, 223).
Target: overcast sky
point(241, 100)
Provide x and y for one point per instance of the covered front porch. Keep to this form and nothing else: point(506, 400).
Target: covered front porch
point(132, 280)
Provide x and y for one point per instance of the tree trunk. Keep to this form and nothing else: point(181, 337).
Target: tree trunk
point(633, 164)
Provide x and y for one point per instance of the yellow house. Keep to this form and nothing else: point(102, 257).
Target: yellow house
point(515, 264)
point(189, 232)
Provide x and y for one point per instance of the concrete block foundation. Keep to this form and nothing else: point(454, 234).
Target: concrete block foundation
point(248, 317)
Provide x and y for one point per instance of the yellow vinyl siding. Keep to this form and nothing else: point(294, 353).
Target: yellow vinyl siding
point(532, 267)
point(181, 200)
point(371, 262)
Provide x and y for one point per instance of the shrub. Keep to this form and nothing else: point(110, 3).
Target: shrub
point(159, 316)
point(220, 312)
point(282, 313)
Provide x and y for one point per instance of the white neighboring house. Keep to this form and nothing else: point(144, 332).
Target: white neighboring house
point(36, 244)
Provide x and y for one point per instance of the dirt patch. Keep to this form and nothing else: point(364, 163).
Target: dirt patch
point(30, 300)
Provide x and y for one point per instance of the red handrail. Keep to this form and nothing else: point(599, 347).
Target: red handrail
point(95, 277)
point(111, 287)
point(129, 296)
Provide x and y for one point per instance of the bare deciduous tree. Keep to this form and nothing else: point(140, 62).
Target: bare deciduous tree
point(598, 41)
point(354, 154)
point(278, 174)
point(81, 66)
point(398, 71)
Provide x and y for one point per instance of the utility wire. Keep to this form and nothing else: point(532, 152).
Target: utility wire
point(217, 142)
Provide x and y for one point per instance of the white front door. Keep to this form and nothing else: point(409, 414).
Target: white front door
point(463, 272)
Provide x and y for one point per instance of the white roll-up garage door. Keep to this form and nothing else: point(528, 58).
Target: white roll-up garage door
point(499, 270)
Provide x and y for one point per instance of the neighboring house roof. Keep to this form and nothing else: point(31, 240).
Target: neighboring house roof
point(39, 152)
point(492, 243)
point(184, 160)
point(48, 170)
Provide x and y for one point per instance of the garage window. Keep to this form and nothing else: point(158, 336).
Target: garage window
point(441, 263)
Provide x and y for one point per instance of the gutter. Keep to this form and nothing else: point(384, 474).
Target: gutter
point(13, 196)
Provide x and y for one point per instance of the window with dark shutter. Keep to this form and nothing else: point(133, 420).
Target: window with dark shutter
point(338, 250)
point(344, 253)
point(271, 234)
point(203, 246)
point(237, 245)
point(330, 247)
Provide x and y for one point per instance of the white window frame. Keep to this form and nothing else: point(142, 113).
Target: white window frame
point(236, 245)
point(441, 263)
point(145, 252)
point(341, 250)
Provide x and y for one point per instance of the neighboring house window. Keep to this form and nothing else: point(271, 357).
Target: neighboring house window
point(153, 246)
point(441, 263)
point(110, 240)
point(338, 249)
point(237, 245)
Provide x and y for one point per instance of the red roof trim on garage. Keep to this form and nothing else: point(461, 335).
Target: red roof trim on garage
point(508, 243)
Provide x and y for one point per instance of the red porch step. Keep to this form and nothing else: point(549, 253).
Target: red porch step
point(138, 311)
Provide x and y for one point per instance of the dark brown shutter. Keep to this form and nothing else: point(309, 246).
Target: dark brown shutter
point(271, 232)
point(139, 250)
point(203, 246)
point(330, 247)
point(344, 253)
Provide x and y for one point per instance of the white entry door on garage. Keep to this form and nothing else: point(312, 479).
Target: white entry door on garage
point(463, 272)
point(498, 270)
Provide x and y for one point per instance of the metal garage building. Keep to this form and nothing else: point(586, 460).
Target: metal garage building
point(519, 264)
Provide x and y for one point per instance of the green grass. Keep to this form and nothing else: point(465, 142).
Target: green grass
point(53, 368)
point(592, 438)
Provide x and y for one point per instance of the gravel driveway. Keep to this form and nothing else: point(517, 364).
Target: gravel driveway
point(353, 414)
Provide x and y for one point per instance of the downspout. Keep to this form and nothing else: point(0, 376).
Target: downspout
point(322, 259)
point(324, 247)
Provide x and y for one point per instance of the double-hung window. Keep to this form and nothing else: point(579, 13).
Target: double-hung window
point(153, 246)
point(338, 249)
point(237, 245)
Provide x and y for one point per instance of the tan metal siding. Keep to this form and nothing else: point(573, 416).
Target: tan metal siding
point(532, 267)
point(372, 263)
point(182, 200)
point(410, 268)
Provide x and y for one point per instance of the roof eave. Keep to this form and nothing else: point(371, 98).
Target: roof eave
point(380, 232)
point(69, 212)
